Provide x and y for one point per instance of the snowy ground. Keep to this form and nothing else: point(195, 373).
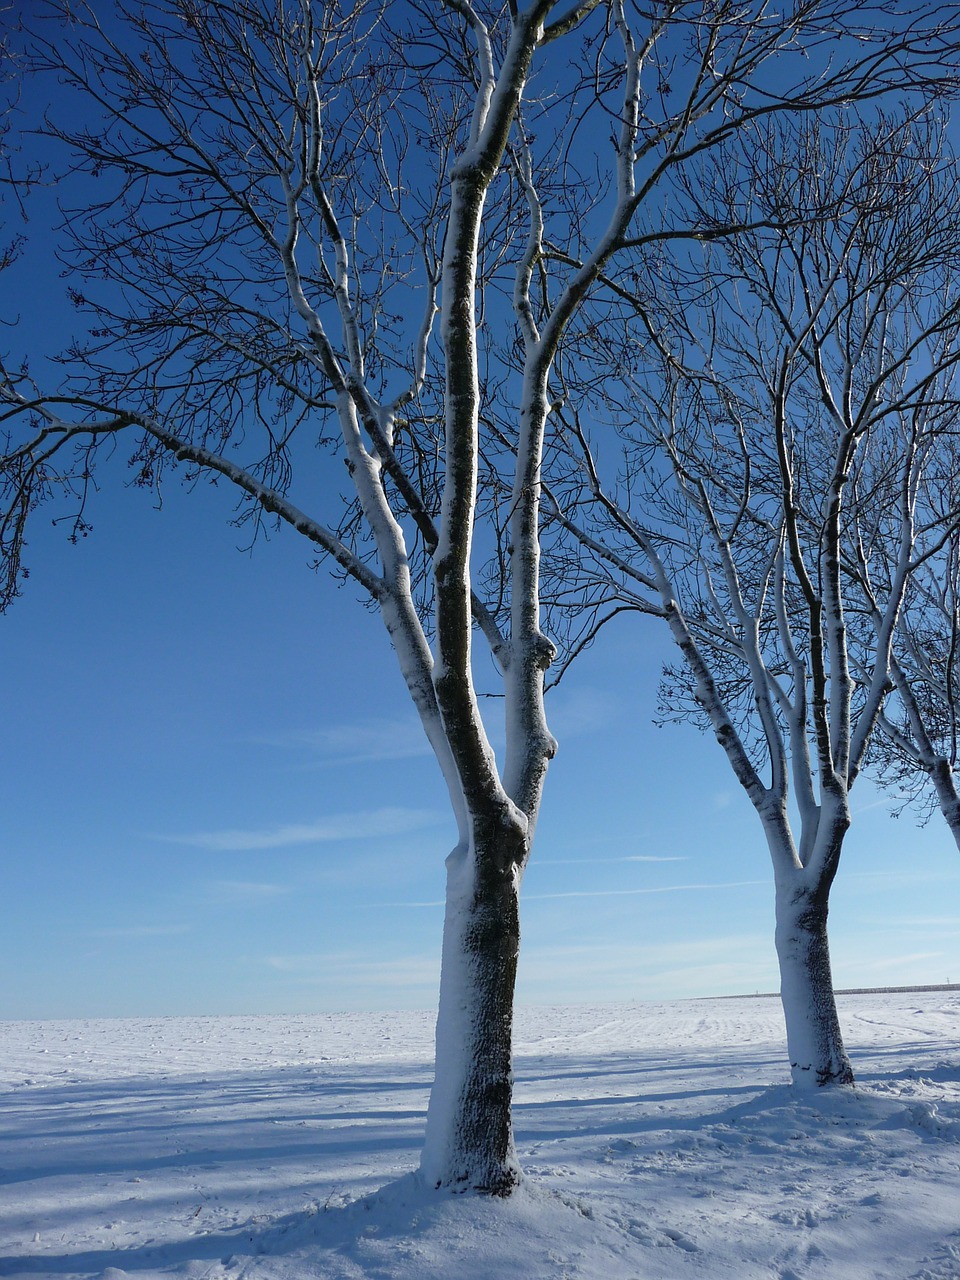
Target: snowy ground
point(659, 1140)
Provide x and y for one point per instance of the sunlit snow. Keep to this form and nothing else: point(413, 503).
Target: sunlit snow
point(659, 1141)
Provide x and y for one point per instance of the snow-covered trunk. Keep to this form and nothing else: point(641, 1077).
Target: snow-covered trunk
point(945, 784)
point(469, 1138)
point(814, 1041)
point(917, 746)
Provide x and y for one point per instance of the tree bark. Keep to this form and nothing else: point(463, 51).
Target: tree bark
point(469, 1143)
point(814, 1040)
point(469, 1138)
point(945, 784)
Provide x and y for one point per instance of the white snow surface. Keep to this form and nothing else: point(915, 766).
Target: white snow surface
point(658, 1141)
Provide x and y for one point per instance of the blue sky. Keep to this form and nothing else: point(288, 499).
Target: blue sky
point(215, 796)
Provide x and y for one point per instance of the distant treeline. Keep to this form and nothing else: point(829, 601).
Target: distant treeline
point(849, 991)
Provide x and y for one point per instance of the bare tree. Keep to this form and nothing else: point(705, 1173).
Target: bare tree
point(915, 754)
point(15, 179)
point(776, 463)
point(288, 196)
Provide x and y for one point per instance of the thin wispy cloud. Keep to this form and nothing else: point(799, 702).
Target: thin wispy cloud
point(589, 862)
point(366, 824)
point(244, 891)
point(592, 893)
point(363, 742)
point(400, 905)
point(626, 893)
point(135, 931)
point(882, 802)
point(571, 713)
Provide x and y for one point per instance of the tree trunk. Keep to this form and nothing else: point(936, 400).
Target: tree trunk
point(469, 1138)
point(814, 1041)
point(945, 783)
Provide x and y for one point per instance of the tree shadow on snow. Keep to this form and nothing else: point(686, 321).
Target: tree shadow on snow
point(399, 1211)
point(137, 1127)
point(245, 1241)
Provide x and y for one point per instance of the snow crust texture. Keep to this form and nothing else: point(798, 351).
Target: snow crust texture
point(659, 1141)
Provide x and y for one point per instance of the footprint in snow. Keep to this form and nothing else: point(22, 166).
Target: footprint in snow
point(681, 1241)
point(944, 1265)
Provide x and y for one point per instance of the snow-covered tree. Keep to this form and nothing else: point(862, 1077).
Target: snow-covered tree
point(781, 431)
point(915, 754)
point(301, 231)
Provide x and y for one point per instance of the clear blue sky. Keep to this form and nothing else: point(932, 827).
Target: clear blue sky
point(216, 798)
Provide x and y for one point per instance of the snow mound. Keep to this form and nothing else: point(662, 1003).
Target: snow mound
point(405, 1229)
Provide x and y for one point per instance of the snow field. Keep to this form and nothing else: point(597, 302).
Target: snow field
point(659, 1140)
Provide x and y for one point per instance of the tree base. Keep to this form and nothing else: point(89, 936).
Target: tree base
point(502, 1187)
point(823, 1077)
